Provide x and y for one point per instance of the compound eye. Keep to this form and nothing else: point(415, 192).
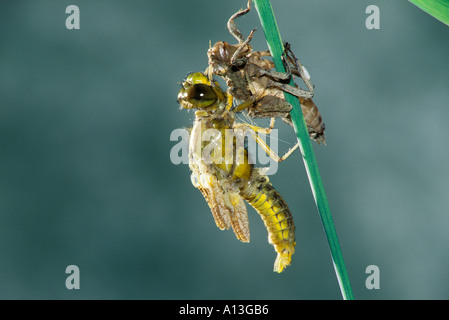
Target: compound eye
point(197, 96)
point(202, 92)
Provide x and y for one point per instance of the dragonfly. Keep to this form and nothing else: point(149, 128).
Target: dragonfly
point(250, 77)
point(227, 185)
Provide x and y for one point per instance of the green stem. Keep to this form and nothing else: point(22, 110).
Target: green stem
point(438, 9)
point(274, 41)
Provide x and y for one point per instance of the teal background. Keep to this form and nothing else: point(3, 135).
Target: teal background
point(86, 176)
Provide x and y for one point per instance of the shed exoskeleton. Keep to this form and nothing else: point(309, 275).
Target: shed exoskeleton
point(251, 77)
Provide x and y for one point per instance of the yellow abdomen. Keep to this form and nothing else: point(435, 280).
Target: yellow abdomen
point(276, 215)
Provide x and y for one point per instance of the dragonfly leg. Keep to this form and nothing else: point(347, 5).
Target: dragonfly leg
point(245, 104)
point(237, 54)
point(232, 27)
point(297, 69)
point(229, 102)
point(248, 103)
point(254, 129)
point(280, 78)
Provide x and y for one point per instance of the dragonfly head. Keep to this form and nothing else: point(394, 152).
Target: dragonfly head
point(198, 93)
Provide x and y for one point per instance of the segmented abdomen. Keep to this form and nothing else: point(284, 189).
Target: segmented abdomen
point(313, 119)
point(276, 215)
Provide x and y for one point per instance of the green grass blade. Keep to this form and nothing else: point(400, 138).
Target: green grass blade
point(275, 45)
point(439, 9)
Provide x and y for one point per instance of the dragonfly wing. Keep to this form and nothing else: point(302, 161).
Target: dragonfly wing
point(239, 217)
point(213, 194)
point(227, 206)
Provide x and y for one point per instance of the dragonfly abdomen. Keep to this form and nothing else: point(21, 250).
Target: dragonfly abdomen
point(276, 215)
point(312, 117)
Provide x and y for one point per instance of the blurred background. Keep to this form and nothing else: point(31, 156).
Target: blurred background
point(86, 177)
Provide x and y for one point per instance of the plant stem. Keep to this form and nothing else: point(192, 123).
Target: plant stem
point(274, 41)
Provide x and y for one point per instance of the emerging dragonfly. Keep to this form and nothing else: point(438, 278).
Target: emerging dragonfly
point(226, 184)
point(251, 77)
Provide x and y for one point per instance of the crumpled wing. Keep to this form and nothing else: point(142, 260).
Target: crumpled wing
point(239, 217)
point(227, 207)
point(213, 194)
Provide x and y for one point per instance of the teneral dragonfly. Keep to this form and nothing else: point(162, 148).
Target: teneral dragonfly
point(226, 185)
